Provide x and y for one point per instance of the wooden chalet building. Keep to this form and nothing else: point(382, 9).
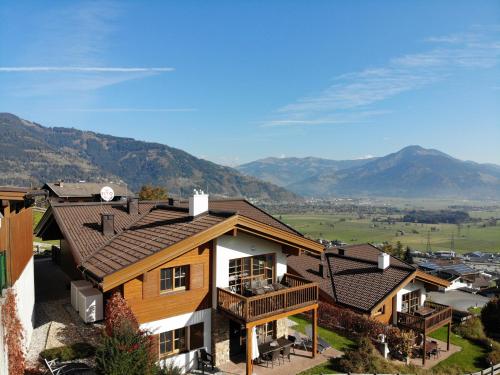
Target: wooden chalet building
point(62, 191)
point(187, 269)
point(373, 283)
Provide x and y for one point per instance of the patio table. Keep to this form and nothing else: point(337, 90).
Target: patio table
point(424, 311)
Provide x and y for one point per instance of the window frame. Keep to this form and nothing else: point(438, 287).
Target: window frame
point(174, 277)
point(175, 336)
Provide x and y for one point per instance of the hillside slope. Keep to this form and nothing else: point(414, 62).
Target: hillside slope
point(31, 154)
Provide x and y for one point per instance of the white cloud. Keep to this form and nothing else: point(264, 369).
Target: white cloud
point(351, 97)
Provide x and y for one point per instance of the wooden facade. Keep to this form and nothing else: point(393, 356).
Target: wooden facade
point(149, 304)
point(16, 240)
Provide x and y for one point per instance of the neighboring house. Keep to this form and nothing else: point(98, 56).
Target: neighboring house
point(373, 283)
point(187, 271)
point(16, 260)
point(459, 274)
point(83, 191)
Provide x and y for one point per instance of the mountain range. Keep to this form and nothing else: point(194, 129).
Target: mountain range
point(413, 172)
point(32, 154)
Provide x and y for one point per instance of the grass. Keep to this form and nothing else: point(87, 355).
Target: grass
point(335, 339)
point(353, 229)
point(470, 359)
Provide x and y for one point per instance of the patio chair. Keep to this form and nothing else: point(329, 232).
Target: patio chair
point(322, 344)
point(75, 368)
point(285, 353)
point(204, 359)
point(272, 357)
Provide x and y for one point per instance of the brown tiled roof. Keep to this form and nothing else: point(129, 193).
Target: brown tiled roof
point(307, 266)
point(355, 281)
point(84, 189)
point(157, 230)
point(156, 227)
point(245, 208)
point(81, 223)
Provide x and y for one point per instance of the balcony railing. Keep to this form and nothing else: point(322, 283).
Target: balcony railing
point(298, 293)
point(441, 316)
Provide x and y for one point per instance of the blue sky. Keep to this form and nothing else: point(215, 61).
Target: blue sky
point(233, 81)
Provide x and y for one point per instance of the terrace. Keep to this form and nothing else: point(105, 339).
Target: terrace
point(292, 293)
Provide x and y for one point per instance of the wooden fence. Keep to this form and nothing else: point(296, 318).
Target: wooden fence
point(16, 240)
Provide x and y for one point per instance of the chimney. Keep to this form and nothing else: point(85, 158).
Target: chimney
point(198, 203)
point(323, 267)
point(170, 201)
point(108, 224)
point(384, 260)
point(60, 183)
point(133, 206)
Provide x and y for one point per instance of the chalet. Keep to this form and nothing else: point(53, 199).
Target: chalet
point(16, 260)
point(373, 283)
point(82, 191)
point(196, 275)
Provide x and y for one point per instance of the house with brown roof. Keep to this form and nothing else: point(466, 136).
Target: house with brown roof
point(83, 191)
point(200, 274)
point(373, 283)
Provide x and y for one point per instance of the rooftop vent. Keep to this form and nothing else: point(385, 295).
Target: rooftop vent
point(384, 260)
point(341, 252)
point(133, 206)
point(108, 224)
point(198, 203)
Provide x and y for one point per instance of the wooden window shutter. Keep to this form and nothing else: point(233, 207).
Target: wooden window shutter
point(155, 346)
point(151, 284)
point(196, 276)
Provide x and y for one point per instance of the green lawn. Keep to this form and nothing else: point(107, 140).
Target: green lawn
point(470, 359)
point(352, 229)
point(336, 340)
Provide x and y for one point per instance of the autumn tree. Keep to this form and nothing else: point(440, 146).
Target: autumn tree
point(152, 193)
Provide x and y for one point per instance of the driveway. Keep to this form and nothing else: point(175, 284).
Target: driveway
point(458, 300)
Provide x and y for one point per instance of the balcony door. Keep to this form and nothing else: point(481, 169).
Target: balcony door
point(243, 271)
point(410, 302)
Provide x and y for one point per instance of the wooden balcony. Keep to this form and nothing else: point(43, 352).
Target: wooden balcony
point(440, 317)
point(298, 293)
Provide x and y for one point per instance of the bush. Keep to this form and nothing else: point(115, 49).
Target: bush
point(490, 316)
point(126, 352)
point(471, 329)
point(69, 352)
point(365, 359)
point(119, 315)
point(169, 369)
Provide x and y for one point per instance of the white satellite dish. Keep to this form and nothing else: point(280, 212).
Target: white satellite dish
point(107, 194)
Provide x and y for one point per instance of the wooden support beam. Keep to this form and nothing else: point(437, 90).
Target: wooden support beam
point(424, 349)
point(315, 333)
point(448, 337)
point(249, 351)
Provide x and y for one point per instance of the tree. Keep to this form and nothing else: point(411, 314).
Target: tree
point(490, 316)
point(124, 349)
point(152, 193)
point(408, 256)
point(398, 251)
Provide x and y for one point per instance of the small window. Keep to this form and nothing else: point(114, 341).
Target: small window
point(172, 342)
point(174, 278)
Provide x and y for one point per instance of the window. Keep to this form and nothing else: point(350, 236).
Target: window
point(182, 339)
point(265, 332)
point(410, 302)
point(173, 278)
point(380, 311)
point(243, 271)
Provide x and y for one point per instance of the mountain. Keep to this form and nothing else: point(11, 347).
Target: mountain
point(31, 154)
point(413, 172)
point(289, 171)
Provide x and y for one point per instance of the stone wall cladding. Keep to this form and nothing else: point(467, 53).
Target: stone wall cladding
point(282, 327)
point(220, 338)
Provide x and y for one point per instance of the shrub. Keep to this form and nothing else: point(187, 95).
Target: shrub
point(69, 352)
point(471, 329)
point(365, 359)
point(13, 334)
point(126, 352)
point(119, 315)
point(169, 369)
point(490, 316)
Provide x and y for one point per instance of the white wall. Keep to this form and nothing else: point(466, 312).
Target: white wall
point(25, 292)
point(410, 287)
point(457, 283)
point(187, 360)
point(243, 245)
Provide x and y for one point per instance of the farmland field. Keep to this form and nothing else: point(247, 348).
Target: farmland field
point(352, 229)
